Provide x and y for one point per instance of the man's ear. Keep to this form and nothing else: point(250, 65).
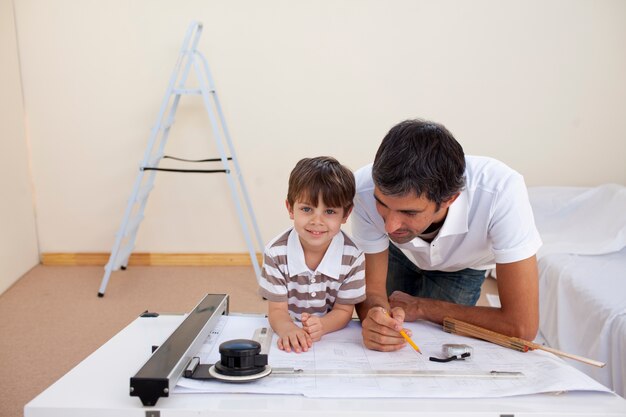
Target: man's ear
point(289, 209)
point(347, 214)
point(449, 201)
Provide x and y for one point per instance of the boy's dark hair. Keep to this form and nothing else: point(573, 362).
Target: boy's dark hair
point(422, 157)
point(321, 177)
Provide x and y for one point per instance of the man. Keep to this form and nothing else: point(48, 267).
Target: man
point(449, 218)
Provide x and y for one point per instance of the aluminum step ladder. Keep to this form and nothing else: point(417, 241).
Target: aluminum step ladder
point(189, 61)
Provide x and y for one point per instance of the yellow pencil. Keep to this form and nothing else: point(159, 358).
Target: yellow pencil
point(412, 343)
point(406, 337)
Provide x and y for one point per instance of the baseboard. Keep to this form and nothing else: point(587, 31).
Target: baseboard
point(151, 259)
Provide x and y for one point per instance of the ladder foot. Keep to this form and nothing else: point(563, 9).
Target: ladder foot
point(100, 294)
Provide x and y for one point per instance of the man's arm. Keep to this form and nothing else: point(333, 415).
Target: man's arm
point(380, 332)
point(519, 297)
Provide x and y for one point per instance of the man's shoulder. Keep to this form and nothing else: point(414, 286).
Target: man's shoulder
point(349, 243)
point(482, 172)
point(478, 164)
point(363, 179)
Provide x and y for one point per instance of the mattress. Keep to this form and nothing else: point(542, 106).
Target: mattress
point(582, 275)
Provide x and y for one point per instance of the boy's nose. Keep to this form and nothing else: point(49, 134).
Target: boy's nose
point(315, 218)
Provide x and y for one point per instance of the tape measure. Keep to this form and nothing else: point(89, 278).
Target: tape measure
point(264, 336)
point(458, 350)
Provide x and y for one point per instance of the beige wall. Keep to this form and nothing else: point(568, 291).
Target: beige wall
point(18, 237)
point(538, 84)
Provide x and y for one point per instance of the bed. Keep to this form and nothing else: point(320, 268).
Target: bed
point(582, 275)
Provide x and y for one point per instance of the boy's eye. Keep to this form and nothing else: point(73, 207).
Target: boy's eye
point(306, 209)
point(330, 211)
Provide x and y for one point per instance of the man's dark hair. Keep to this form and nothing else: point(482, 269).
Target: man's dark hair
point(321, 177)
point(422, 157)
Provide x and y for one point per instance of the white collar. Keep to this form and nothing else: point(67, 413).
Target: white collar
point(456, 219)
point(330, 264)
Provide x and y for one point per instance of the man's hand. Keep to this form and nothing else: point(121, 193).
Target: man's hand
point(381, 331)
point(295, 338)
point(313, 326)
point(408, 303)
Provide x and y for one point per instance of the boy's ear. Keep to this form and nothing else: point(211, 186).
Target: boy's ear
point(347, 214)
point(289, 209)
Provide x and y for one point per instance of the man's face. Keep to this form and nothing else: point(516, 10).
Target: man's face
point(408, 216)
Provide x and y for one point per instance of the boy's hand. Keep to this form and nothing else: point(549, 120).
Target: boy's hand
point(313, 326)
point(296, 339)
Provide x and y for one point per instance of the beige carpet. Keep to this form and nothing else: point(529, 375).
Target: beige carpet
point(52, 318)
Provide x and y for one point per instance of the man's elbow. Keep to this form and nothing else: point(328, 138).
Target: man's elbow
point(526, 331)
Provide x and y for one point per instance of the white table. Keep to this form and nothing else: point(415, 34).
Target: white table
point(99, 386)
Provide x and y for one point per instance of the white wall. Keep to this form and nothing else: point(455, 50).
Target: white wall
point(538, 84)
point(18, 237)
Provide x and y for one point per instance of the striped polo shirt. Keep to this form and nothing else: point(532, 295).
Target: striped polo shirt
point(339, 278)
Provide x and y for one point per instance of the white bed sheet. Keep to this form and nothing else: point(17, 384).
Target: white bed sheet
point(583, 221)
point(582, 301)
point(582, 275)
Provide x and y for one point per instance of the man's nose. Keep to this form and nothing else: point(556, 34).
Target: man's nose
point(392, 222)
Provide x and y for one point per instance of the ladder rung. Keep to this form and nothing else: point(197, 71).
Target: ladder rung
point(191, 91)
point(181, 91)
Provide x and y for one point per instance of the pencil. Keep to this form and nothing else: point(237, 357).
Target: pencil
point(406, 336)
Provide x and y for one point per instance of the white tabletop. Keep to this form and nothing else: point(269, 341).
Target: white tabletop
point(99, 386)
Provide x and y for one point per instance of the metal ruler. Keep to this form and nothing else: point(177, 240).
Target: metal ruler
point(394, 373)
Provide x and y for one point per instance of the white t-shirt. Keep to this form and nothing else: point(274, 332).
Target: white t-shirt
point(490, 222)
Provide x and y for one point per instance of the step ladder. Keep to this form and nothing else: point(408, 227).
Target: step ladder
point(189, 61)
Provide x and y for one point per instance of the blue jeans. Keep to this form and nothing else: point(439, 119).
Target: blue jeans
point(460, 287)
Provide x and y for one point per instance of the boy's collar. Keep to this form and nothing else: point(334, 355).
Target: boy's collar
point(330, 264)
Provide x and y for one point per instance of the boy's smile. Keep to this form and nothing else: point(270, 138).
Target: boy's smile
point(315, 232)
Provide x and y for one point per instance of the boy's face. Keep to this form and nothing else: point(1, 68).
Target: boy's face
point(316, 226)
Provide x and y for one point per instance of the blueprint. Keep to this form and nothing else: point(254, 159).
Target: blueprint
point(344, 350)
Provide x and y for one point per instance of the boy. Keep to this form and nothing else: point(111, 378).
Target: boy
point(313, 272)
